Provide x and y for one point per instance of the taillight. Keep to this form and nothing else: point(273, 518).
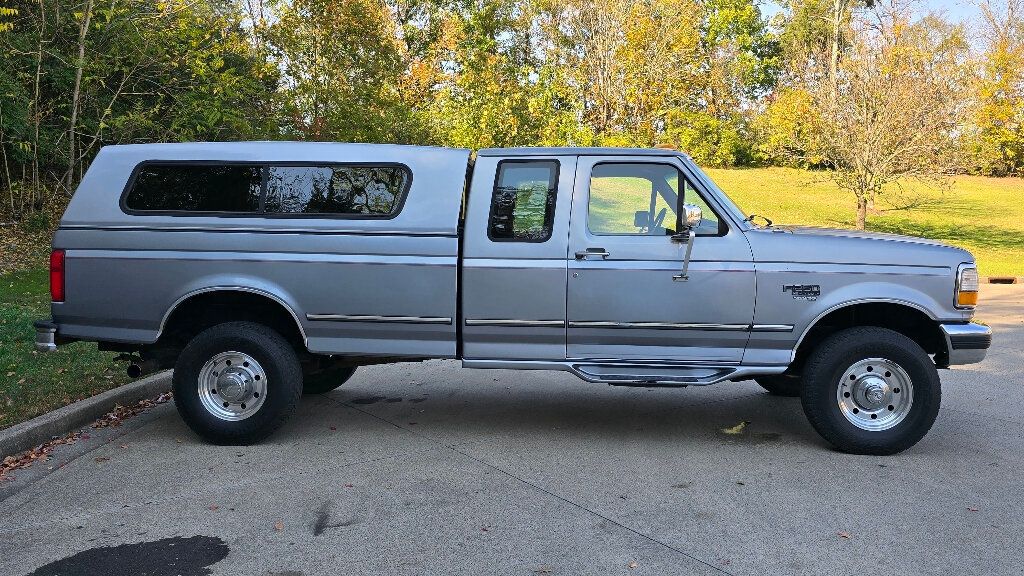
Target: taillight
point(57, 275)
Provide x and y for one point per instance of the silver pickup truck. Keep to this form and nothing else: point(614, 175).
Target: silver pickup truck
point(263, 270)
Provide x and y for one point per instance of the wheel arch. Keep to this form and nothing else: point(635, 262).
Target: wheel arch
point(908, 318)
point(247, 302)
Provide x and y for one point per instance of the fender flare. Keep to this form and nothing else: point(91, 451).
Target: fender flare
point(247, 289)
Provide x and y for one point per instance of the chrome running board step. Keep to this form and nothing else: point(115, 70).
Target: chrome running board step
point(652, 375)
point(647, 374)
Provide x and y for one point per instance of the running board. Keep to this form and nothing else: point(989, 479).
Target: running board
point(636, 374)
point(652, 375)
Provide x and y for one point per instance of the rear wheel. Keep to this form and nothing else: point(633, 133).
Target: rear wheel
point(326, 380)
point(237, 382)
point(780, 384)
point(871, 390)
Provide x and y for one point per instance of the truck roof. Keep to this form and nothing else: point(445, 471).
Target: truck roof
point(263, 148)
point(571, 151)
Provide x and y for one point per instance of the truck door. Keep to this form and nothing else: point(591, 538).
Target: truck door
point(623, 300)
point(513, 266)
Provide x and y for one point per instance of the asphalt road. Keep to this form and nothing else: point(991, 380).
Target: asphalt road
point(433, 469)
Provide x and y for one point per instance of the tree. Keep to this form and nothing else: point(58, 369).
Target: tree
point(343, 67)
point(490, 89)
point(998, 145)
point(5, 13)
point(685, 72)
point(79, 74)
point(896, 109)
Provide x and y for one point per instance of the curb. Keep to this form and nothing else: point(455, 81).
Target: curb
point(21, 437)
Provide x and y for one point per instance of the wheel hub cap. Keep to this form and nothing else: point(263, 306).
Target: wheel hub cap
point(875, 394)
point(232, 386)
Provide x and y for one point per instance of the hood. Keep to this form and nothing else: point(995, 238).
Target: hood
point(840, 233)
point(825, 245)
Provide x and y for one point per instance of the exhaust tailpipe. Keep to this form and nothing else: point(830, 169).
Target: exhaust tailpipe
point(143, 367)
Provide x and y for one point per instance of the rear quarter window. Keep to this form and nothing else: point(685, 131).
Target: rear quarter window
point(195, 188)
point(341, 190)
point(268, 189)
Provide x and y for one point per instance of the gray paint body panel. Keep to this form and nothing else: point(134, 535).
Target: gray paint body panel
point(389, 287)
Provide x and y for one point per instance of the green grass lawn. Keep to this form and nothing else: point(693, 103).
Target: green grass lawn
point(32, 383)
point(983, 215)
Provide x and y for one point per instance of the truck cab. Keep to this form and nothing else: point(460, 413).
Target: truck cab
point(262, 270)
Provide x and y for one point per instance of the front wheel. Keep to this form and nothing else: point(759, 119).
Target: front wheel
point(870, 390)
point(237, 382)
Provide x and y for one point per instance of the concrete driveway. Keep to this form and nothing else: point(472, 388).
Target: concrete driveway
point(432, 469)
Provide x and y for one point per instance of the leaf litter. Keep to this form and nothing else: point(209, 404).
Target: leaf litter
point(42, 452)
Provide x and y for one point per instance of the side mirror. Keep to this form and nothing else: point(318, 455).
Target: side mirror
point(692, 215)
point(642, 219)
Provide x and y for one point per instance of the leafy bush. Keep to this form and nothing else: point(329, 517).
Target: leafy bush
point(35, 222)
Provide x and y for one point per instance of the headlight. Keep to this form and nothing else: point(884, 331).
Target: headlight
point(966, 286)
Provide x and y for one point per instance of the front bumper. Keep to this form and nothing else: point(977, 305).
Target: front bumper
point(967, 343)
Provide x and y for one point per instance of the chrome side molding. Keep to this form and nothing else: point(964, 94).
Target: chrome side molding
point(683, 326)
point(512, 322)
point(382, 319)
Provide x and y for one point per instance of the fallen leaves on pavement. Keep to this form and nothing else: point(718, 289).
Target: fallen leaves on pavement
point(120, 413)
point(279, 526)
point(112, 419)
point(844, 534)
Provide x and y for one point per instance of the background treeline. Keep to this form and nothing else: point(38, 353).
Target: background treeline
point(873, 92)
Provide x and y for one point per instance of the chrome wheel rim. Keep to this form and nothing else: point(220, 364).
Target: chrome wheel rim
point(232, 386)
point(875, 394)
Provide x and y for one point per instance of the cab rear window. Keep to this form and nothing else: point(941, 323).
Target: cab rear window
point(281, 190)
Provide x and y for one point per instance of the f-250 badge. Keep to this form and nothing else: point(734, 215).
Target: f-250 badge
point(803, 291)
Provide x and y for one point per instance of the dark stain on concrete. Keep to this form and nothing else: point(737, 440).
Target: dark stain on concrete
point(167, 557)
point(375, 399)
point(323, 522)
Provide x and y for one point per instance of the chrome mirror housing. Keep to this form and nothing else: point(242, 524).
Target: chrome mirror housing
point(692, 215)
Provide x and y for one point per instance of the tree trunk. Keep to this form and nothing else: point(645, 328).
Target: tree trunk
point(37, 115)
point(76, 94)
point(7, 167)
point(862, 212)
point(838, 12)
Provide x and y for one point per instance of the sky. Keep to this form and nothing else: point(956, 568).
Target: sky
point(956, 10)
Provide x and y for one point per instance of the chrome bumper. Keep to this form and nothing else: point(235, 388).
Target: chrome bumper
point(46, 335)
point(966, 343)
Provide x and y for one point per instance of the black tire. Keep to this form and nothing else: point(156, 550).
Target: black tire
point(780, 384)
point(326, 380)
point(283, 382)
point(825, 372)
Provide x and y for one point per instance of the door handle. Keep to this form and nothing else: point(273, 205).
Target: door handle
point(584, 254)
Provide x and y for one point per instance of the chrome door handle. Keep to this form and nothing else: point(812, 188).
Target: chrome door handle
point(583, 254)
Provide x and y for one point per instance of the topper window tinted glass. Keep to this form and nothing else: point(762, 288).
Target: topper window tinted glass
point(523, 204)
point(354, 190)
point(195, 188)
